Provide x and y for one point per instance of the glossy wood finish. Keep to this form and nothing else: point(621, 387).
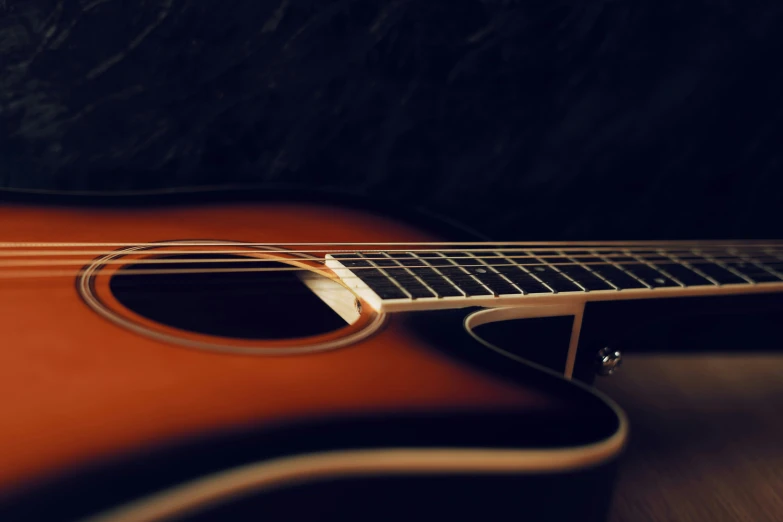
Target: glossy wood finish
point(75, 388)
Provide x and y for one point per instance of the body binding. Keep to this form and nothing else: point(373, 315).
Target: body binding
point(418, 416)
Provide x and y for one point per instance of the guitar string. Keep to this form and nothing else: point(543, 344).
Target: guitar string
point(612, 255)
point(578, 259)
point(694, 255)
point(536, 246)
point(466, 276)
point(652, 249)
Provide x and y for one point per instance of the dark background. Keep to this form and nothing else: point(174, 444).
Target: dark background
point(540, 119)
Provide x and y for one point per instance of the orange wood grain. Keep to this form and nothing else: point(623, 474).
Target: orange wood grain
point(76, 388)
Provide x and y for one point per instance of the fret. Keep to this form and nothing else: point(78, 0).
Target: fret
point(419, 279)
point(729, 262)
point(378, 281)
point(617, 274)
point(770, 263)
point(775, 268)
point(644, 272)
point(675, 269)
point(524, 280)
point(404, 279)
point(495, 282)
point(693, 268)
point(552, 277)
point(767, 259)
point(457, 275)
point(669, 279)
point(751, 269)
point(427, 275)
point(490, 259)
point(679, 271)
point(718, 271)
point(586, 277)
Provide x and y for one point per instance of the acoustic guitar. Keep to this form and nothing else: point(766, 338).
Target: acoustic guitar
point(285, 361)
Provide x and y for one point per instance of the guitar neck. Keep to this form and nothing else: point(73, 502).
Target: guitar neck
point(424, 277)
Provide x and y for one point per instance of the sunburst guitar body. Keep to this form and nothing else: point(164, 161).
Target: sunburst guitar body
point(282, 361)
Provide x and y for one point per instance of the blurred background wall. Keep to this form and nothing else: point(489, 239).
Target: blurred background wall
point(538, 119)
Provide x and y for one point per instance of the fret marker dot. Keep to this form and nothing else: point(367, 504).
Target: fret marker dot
point(659, 280)
point(539, 269)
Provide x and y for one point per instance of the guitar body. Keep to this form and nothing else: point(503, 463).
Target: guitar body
point(191, 397)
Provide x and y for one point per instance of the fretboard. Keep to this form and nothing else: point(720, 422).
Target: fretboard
point(419, 279)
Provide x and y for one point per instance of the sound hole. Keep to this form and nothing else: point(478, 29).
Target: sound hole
point(244, 305)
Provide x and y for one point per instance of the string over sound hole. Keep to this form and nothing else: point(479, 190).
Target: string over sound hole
point(207, 297)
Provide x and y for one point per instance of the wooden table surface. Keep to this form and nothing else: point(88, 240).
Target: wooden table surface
point(706, 438)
